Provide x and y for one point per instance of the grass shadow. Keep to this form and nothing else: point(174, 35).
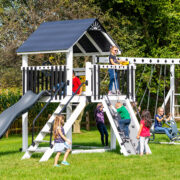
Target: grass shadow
point(9, 152)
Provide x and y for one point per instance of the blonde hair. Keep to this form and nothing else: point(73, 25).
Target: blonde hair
point(113, 47)
point(99, 104)
point(118, 105)
point(159, 108)
point(57, 122)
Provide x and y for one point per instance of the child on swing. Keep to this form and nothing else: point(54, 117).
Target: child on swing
point(159, 117)
point(144, 131)
point(60, 140)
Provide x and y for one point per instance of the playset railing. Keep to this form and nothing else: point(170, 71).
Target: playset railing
point(38, 78)
point(63, 85)
point(125, 77)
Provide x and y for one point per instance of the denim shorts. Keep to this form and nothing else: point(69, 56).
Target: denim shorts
point(61, 147)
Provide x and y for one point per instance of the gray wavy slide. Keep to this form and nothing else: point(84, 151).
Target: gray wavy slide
point(8, 116)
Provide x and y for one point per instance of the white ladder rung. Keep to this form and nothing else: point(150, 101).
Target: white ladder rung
point(45, 131)
point(176, 105)
point(49, 122)
point(177, 94)
point(41, 141)
point(32, 148)
point(176, 117)
point(42, 149)
point(38, 149)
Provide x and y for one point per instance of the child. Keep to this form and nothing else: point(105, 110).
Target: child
point(99, 116)
point(113, 60)
point(125, 118)
point(75, 84)
point(60, 140)
point(158, 125)
point(135, 107)
point(144, 131)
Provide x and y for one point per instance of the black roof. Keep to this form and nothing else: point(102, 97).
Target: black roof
point(62, 35)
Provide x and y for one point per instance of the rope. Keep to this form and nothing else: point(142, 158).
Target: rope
point(149, 92)
point(140, 79)
point(158, 91)
point(164, 89)
point(152, 70)
point(116, 88)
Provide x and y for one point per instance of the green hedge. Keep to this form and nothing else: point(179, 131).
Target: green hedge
point(11, 96)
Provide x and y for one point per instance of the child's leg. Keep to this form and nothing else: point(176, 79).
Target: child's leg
point(56, 158)
point(124, 125)
point(121, 124)
point(106, 135)
point(116, 82)
point(100, 128)
point(146, 145)
point(66, 154)
point(111, 75)
point(142, 139)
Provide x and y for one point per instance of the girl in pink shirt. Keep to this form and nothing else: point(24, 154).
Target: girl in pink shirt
point(144, 131)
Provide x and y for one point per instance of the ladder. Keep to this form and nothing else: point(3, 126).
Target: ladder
point(130, 147)
point(175, 105)
point(48, 151)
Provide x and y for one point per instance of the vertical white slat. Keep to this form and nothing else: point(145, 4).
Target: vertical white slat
point(69, 64)
point(25, 115)
point(88, 78)
point(68, 114)
point(172, 88)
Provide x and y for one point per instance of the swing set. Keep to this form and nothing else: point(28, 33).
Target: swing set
point(158, 67)
point(171, 123)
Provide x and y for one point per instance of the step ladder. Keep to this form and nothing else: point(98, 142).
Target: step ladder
point(48, 151)
point(131, 146)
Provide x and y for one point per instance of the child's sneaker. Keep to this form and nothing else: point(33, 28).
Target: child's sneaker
point(110, 93)
point(173, 139)
point(127, 137)
point(57, 165)
point(118, 92)
point(65, 163)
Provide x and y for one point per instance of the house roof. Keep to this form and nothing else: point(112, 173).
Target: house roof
point(85, 36)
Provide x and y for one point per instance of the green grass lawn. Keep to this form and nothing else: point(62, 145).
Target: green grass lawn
point(164, 163)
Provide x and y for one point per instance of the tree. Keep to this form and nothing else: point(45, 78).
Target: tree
point(19, 18)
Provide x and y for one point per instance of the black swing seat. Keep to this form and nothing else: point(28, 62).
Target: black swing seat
point(173, 130)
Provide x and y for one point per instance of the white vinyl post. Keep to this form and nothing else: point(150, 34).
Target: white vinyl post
point(68, 115)
point(172, 87)
point(69, 64)
point(88, 78)
point(113, 140)
point(25, 115)
point(94, 58)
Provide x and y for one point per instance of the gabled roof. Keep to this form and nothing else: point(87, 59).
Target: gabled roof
point(85, 36)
